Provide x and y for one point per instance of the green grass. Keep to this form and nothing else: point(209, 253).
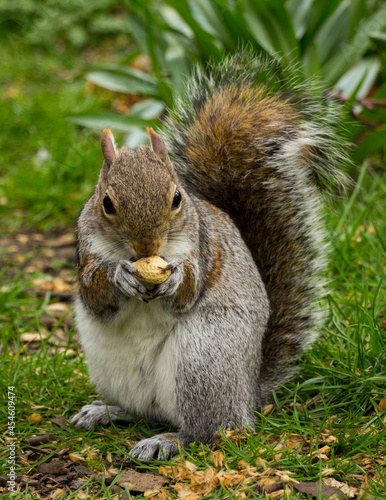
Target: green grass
point(340, 379)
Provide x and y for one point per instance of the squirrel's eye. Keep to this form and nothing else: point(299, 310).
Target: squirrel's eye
point(108, 205)
point(177, 199)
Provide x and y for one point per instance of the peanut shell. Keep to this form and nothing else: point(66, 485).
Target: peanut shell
point(152, 270)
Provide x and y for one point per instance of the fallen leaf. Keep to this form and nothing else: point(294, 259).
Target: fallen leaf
point(74, 457)
point(33, 337)
point(267, 409)
point(57, 307)
point(60, 421)
point(261, 463)
point(217, 458)
point(55, 495)
point(345, 488)
point(381, 405)
point(313, 489)
point(63, 241)
point(277, 494)
point(35, 418)
point(57, 285)
point(76, 484)
point(186, 494)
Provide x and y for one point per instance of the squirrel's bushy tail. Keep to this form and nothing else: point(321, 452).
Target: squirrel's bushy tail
point(256, 143)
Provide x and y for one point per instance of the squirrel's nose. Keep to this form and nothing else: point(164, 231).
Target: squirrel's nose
point(146, 249)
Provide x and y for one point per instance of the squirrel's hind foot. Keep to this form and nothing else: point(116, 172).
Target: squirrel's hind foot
point(97, 413)
point(159, 447)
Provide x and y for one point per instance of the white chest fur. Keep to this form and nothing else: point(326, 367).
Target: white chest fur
point(133, 359)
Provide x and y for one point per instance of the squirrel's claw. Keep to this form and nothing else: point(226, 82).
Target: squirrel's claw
point(159, 447)
point(170, 286)
point(125, 279)
point(97, 413)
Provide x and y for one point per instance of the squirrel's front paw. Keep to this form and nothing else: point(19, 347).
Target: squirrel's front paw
point(125, 279)
point(159, 447)
point(170, 286)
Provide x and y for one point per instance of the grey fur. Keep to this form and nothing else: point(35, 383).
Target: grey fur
point(207, 346)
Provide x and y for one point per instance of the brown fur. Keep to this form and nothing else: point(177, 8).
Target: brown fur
point(96, 289)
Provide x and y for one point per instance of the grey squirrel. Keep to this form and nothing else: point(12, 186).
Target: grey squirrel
point(236, 211)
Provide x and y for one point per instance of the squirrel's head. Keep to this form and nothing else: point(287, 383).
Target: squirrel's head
point(139, 197)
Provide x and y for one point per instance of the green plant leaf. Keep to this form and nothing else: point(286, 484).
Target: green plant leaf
point(122, 123)
point(349, 53)
point(373, 142)
point(123, 81)
point(358, 80)
point(149, 109)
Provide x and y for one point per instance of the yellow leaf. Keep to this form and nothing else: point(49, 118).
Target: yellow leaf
point(35, 418)
point(381, 405)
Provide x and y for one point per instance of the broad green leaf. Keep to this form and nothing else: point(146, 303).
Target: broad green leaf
point(357, 82)
point(122, 83)
point(175, 21)
point(135, 138)
point(272, 27)
point(149, 109)
point(203, 39)
point(122, 123)
point(334, 31)
point(379, 39)
point(208, 17)
point(373, 142)
point(310, 62)
point(177, 64)
point(348, 54)
point(138, 32)
point(300, 13)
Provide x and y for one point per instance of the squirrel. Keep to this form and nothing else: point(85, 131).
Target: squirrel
point(230, 194)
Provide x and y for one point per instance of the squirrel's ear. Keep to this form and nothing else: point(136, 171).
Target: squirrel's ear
point(108, 146)
point(109, 153)
point(158, 145)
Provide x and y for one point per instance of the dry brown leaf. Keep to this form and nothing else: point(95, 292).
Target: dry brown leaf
point(35, 418)
point(57, 307)
point(327, 472)
point(261, 463)
point(381, 405)
point(217, 458)
point(55, 495)
point(267, 409)
point(63, 241)
point(57, 285)
point(163, 495)
point(186, 494)
point(313, 489)
point(285, 476)
point(230, 478)
point(74, 457)
point(109, 457)
point(345, 488)
point(277, 494)
point(34, 337)
point(91, 453)
point(331, 439)
point(294, 440)
point(151, 494)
